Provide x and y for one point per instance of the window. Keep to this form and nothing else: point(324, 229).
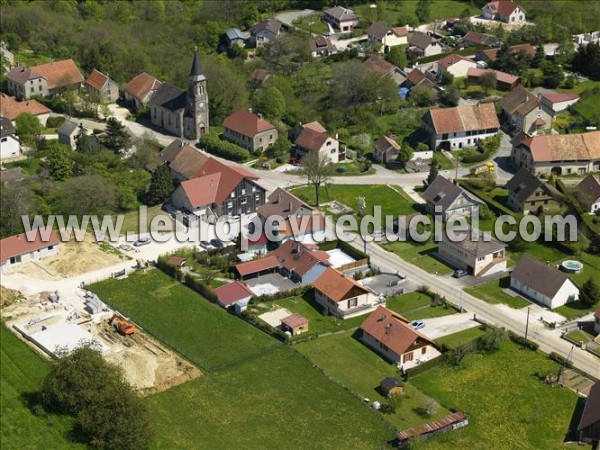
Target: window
point(328, 143)
point(232, 194)
point(408, 357)
point(423, 350)
point(51, 247)
point(352, 302)
point(445, 136)
point(4, 139)
point(40, 88)
point(481, 258)
point(243, 191)
point(229, 205)
point(243, 201)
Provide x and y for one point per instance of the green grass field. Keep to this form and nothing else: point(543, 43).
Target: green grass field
point(203, 332)
point(419, 255)
point(359, 368)
point(462, 337)
point(508, 404)
point(443, 161)
point(493, 293)
point(21, 373)
point(574, 310)
point(416, 305)
point(391, 202)
point(131, 219)
point(276, 400)
point(440, 9)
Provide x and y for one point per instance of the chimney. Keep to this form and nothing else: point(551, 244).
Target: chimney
point(260, 116)
point(290, 206)
point(279, 197)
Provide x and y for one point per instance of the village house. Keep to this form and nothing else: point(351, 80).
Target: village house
point(456, 65)
point(44, 80)
point(312, 140)
point(343, 19)
point(234, 295)
point(522, 112)
point(505, 11)
point(10, 144)
point(419, 79)
point(475, 38)
point(589, 188)
point(504, 81)
point(183, 113)
point(385, 149)
point(321, 46)
point(219, 190)
point(264, 32)
point(444, 197)
point(379, 65)
point(527, 193)
point(461, 126)
point(294, 324)
point(140, 90)
point(476, 252)
point(10, 109)
point(235, 37)
point(491, 54)
point(300, 219)
point(67, 133)
point(558, 153)
point(381, 34)
point(249, 130)
point(542, 283)
point(185, 162)
point(584, 39)
point(589, 424)
point(557, 102)
point(421, 45)
point(31, 246)
point(390, 335)
point(258, 77)
point(102, 87)
point(342, 296)
point(301, 263)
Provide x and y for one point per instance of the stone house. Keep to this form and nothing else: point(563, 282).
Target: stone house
point(590, 189)
point(527, 193)
point(449, 199)
point(67, 133)
point(10, 109)
point(264, 32)
point(312, 140)
point(103, 87)
point(421, 45)
point(457, 65)
point(140, 90)
point(557, 102)
point(321, 46)
point(522, 112)
point(249, 130)
point(44, 80)
point(385, 149)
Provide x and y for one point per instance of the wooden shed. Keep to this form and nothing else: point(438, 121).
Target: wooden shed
point(391, 386)
point(295, 324)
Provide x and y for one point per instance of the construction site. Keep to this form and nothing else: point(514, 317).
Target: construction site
point(55, 326)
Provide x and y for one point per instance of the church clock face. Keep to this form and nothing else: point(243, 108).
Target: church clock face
point(201, 106)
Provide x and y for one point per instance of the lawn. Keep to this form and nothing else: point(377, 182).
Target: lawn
point(319, 323)
point(419, 255)
point(589, 106)
point(356, 366)
point(21, 373)
point(276, 400)
point(574, 310)
point(580, 336)
point(443, 161)
point(508, 404)
point(201, 331)
point(131, 220)
point(440, 9)
point(417, 305)
point(312, 24)
point(462, 337)
point(493, 293)
point(391, 202)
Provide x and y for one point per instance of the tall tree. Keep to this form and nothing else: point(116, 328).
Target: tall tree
point(28, 128)
point(397, 56)
point(87, 194)
point(161, 186)
point(405, 153)
point(116, 137)
point(590, 292)
point(433, 173)
point(16, 200)
point(270, 102)
point(59, 163)
point(423, 10)
point(318, 170)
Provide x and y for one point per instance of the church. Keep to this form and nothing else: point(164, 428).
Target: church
point(182, 113)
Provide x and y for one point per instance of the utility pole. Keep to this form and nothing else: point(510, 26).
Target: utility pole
point(527, 324)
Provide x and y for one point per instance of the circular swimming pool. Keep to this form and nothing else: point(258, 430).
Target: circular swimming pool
point(572, 266)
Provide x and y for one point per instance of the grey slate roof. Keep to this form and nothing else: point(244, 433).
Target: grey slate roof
point(170, 97)
point(6, 127)
point(68, 127)
point(420, 40)
point(479, 244)
point(196, 71)
point(234, 33)
point(340, 13)
point(590, 186)
point(271, 25)
point(538, 276)
point(443, 192)
point(378, 30)
point(520, 101)
point(21, 74)
point(523, 184)
point(591, 410)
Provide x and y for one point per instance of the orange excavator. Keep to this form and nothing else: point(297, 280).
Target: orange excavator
point(122, 325)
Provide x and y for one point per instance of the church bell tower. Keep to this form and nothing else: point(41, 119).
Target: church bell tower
point(197, 100)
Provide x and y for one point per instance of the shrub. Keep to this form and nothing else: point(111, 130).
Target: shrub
point(55, 122)
point(520, 340)
point(213, 144)
point(491, 340)
point(341, 169)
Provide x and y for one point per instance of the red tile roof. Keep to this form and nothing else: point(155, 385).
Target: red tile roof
point(400, 31)
point(464, 118)
point(378, 64)
point(141, 85)
point(97, 80)
point(257, 265)
point(503, 7)
point(11, 108)
point(415, 76)
point(247, 123)
point(564, 147)
point(311, 139)
point(294, 321)
point(59, 73)
point(23, 243)
point(176, 261)
point(337, 286)
point(297, 257)
point(231, 176)
point(502, 77)
point(202, 191)
point(260, 74)
point(597, 314)
point(394, 331)
point(230, 293)
point(492, 53)
point(555, 97)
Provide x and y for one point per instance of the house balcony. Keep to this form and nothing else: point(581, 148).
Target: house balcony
point(360, 309)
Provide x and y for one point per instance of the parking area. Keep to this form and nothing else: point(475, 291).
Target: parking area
point(270, 284)
point(388, 284)
point(442, 326)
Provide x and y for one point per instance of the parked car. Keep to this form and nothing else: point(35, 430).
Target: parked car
point(459, 273)
point(417, 324)
point(142, 241)
point(216, 243)
point(205, 244)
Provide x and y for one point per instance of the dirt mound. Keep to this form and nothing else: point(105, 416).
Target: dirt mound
point(9, 296)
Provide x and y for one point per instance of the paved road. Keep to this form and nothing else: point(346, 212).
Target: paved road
point(549, 340)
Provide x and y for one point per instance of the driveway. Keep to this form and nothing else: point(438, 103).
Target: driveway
point(442, 326)
point(289, 17)
point(501, 159)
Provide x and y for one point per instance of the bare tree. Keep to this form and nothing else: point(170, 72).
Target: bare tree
point(318, 170)
point(488, 81)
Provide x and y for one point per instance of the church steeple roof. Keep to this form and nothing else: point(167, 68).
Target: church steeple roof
point(196, 72)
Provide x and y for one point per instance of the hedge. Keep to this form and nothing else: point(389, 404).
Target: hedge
point(213, 144)
point(520, 340)
point(187, 279)
point(560, 360)
point(55, 121)
point(252, 319)
point(296, 292)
